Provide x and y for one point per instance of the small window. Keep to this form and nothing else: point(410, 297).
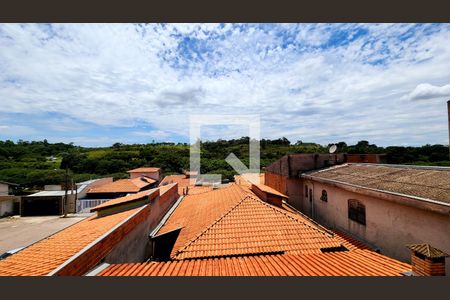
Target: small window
point(310, 195)
point(356, 211)
point(324, 196)
point(306, 191)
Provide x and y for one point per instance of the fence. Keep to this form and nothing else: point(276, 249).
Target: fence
point(84, 205)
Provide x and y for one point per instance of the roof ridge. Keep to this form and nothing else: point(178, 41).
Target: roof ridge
point(285, 213)
point(207, 228)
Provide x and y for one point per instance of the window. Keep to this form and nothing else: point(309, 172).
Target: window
point(306, 191)
point(324, 196)
point(356, 211)
point(310, 195)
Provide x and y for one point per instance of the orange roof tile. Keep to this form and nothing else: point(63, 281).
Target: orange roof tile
point(124, 185)
point(126, 199)
point(196, 212)
point(144, 170)
point(46, 255)
point(254, 226)
point(348, 263)
point(182, 181)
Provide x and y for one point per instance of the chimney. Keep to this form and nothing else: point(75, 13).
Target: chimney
point(427, 260)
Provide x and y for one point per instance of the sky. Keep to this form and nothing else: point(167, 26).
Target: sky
point(98, 84)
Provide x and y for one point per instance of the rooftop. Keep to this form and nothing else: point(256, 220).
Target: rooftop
point(43, 257)
point(126, 199)
point(348, 263)
point(423, 182)
point(233, 221)
point(124, 185)
point(184, 182)
point(144, 170)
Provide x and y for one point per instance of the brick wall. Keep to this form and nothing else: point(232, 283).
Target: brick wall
point(92, 256)
point(427, 267)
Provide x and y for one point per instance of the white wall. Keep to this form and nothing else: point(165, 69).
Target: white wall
point(3, 189)
point(6, 207)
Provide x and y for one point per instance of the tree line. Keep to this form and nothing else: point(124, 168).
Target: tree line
point(36, 163)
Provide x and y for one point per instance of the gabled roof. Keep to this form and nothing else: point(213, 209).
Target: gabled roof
point(349, 263)
point(427, 250)
point(144, 170)
point(196, 212)
point(416, 181)
point(126, 199)
point(255, 227)
point(45, 256)
point(124, 185)
point(9, 183)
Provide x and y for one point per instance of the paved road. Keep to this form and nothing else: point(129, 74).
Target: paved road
point(16, 232)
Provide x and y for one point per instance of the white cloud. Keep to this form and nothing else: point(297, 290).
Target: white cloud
point(425, 91)
point(304, 84)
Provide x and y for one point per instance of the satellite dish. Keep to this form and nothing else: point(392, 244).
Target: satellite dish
point(332, 149)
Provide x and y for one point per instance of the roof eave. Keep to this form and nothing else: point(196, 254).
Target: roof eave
point(409, 200)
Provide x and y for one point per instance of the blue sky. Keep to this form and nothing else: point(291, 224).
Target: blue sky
point(97, 84)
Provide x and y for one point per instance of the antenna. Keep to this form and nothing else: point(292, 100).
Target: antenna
point(332, 149)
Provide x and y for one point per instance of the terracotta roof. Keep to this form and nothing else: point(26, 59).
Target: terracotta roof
point(46, 255)
point(126, 199)
point(349, 263)
point(253, 226)
point(267, 189)
point(182, 181)
point(124, 185)
point(196, 212)
point(427, 250)
point(144, 170)
point(424, 182)
point(349, 242)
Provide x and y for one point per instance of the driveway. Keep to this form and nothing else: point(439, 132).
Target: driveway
point(18, 232)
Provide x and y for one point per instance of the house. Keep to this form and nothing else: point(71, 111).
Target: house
point(51, 200)
point(387, 205)
point(116, 233)
point(154, 173)
point(8, 202)
point(121, 187)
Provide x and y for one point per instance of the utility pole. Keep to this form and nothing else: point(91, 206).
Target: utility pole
point(65, 192)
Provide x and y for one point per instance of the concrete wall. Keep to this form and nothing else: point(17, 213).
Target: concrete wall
point(3, 189)
point(288, 186)
point(389, 226)
point(135, 247)
point(6, 205)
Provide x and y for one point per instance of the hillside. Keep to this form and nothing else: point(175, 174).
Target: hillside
point(34, 164)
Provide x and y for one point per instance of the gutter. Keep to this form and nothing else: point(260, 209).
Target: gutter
point(90, 245)
point(97, 269)
point(166, 217)
point(437, 206)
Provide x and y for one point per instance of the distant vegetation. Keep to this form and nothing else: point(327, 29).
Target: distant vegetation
point(34, 164)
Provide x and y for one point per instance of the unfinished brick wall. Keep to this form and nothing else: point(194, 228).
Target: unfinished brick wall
point(92, 256)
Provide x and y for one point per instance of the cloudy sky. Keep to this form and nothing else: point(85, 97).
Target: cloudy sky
point(95, 85)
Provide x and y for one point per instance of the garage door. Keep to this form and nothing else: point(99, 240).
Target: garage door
point(40, 206)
